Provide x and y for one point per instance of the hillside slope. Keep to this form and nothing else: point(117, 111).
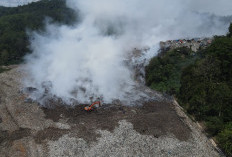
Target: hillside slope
point(17, 23)
point(202, 82)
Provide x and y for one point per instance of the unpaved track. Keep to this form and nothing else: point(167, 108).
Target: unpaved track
point(158, 128)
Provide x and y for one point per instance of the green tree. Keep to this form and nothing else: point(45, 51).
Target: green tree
point(14, 22)
point(225, 139)
point(4, 57)
point(163, 72)
point(230, 31)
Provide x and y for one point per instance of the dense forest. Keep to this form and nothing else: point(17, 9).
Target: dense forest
point(15, 22)
point(202, 84)
point(164, 72)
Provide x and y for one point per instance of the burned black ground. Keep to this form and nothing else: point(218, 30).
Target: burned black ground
point(151, 118)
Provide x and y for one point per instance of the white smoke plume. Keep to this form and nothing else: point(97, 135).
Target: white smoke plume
point(90, 59)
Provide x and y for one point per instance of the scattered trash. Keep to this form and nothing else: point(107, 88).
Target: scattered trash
point(193, 44)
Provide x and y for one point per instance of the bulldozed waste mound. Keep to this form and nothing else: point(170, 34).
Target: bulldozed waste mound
point(153, 127)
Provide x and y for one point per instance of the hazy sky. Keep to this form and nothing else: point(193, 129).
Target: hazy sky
point(218, 7)
point(13, 3)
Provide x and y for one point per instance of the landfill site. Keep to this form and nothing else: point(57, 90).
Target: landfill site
point(193, 44)
point(158, 127)
point(73, 78)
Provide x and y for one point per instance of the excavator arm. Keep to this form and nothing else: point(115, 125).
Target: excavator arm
point(89, 108)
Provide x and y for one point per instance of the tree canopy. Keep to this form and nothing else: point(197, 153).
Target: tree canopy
point(14, 22)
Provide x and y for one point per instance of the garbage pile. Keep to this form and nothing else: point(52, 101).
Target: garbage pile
point(194, 44)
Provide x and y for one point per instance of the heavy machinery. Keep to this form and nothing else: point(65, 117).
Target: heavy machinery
point(90, 108)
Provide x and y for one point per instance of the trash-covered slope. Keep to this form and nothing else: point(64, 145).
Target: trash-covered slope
point(158, 128)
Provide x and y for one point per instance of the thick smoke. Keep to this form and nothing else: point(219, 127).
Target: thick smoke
point(92, 58)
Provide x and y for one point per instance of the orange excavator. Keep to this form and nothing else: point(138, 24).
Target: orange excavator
point(90, 108)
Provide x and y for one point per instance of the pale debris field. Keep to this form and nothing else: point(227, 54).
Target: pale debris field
point(158, 128)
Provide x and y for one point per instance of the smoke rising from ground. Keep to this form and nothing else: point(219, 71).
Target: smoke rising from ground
point(90, 59)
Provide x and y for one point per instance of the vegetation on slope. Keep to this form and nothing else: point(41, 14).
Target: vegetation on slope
point(202, 84)
point(164, 72)
point(14, 22)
